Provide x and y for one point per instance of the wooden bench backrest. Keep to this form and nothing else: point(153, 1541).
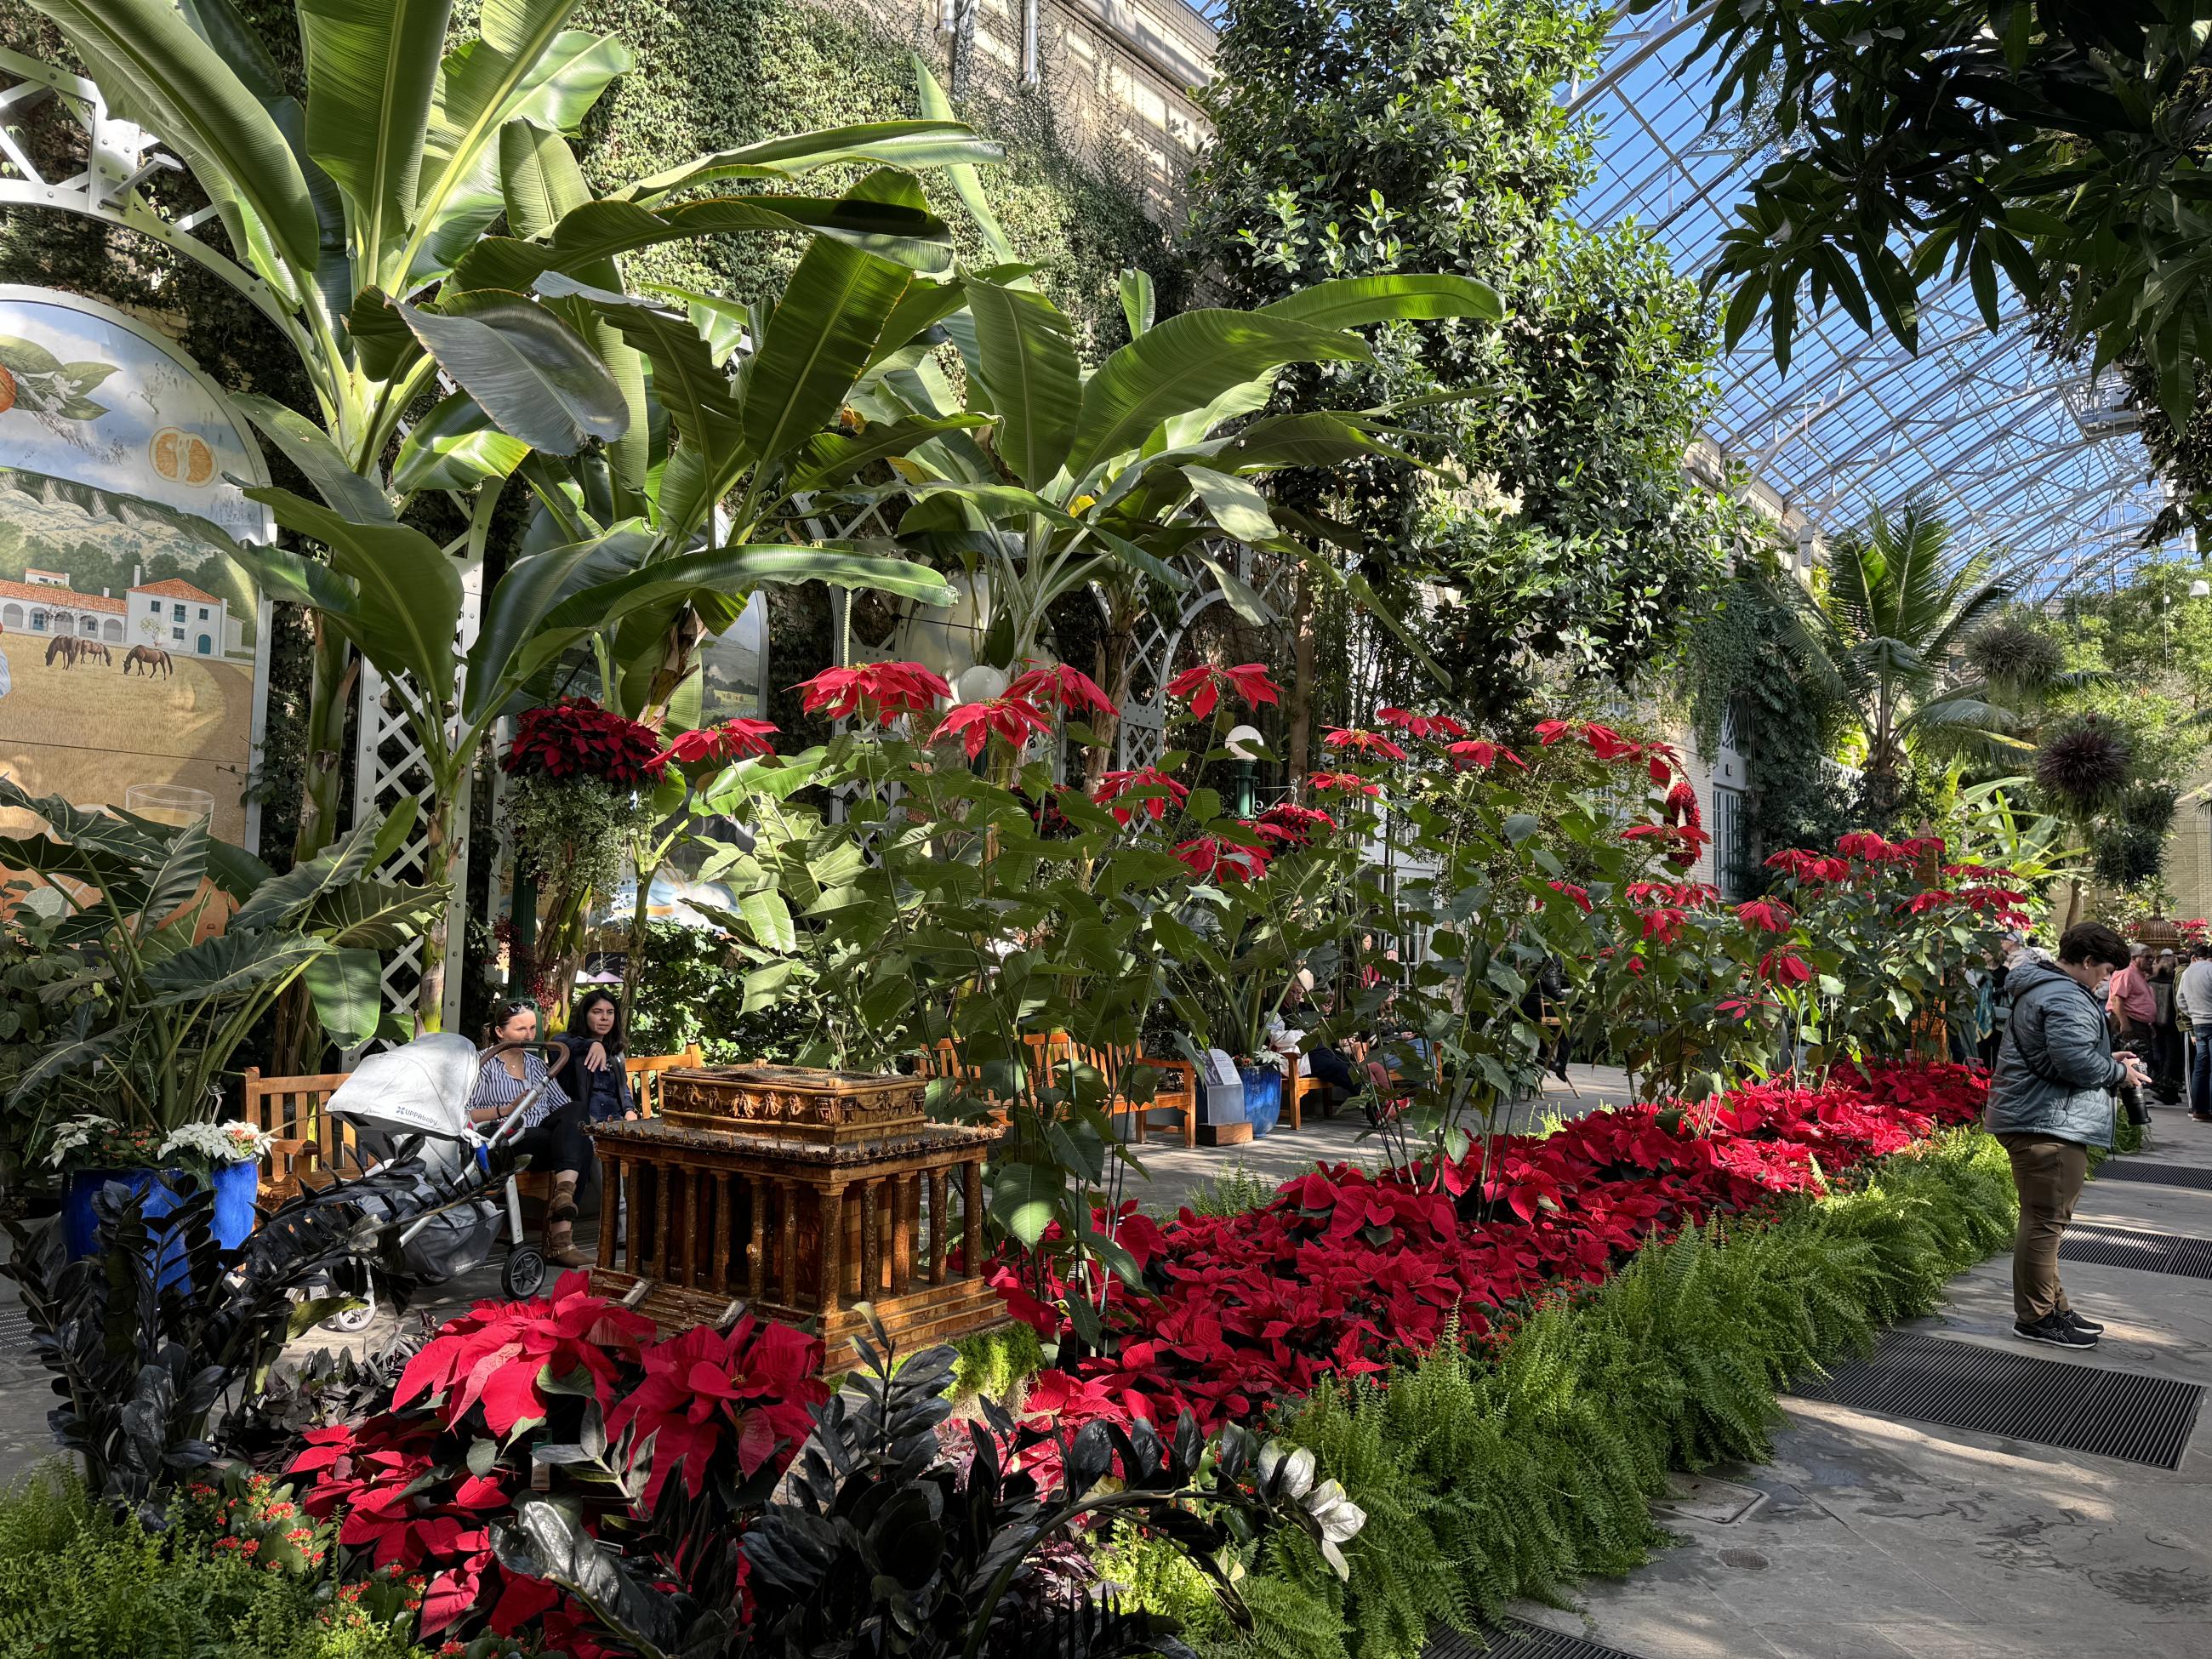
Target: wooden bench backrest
point(645, 1080)
point(307, 1138)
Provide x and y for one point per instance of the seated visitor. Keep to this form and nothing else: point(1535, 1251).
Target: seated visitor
point(595, 1067)
point(552, 1135)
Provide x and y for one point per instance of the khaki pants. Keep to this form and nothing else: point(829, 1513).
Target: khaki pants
point(2048, 1174)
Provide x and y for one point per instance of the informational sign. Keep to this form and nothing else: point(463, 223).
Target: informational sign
point(132, 649)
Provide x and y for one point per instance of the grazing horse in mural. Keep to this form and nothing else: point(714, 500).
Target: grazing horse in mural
point(89, 649)
point(64, 646)
point(151, 658)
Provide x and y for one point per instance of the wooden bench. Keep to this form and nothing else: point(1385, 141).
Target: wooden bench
point(305, 1149)
point(305, 1152)
point(1177, 1091)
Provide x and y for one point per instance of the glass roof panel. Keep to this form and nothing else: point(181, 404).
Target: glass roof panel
point(1984, 424)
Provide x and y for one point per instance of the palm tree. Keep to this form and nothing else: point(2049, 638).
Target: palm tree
point(1880, 637)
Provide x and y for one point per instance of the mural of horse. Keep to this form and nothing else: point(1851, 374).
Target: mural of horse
point(89, 649)
point(151, 658)
point(64, 646)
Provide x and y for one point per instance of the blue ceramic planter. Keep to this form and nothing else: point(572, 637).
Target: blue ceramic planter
point(1263, 1096)
point(162, 1191)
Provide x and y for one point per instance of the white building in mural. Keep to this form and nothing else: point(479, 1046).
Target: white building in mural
point(44, 603)
point(180, 618)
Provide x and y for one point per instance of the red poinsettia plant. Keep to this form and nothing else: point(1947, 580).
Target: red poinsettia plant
point(417, 1486)
point(574, 738)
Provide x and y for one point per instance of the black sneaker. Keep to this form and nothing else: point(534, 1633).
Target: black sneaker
point(2201, 1117)
point(2087, 1327)
point(2057, 1330)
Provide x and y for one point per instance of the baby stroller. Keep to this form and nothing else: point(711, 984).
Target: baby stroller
point(411, 1103)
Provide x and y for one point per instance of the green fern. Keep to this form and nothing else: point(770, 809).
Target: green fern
point(991, 1365)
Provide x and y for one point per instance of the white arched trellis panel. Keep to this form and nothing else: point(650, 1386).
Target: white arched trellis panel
point(1142, 737)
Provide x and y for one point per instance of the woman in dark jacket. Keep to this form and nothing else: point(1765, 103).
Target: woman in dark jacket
point(594, 1068)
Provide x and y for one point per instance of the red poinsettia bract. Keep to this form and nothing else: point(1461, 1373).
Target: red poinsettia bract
point(1205, 685)
point(1482, 755)
point(1010, 719)
point(469, 1361)
point(1344, 783)
point(575, 737)
point(1074, 690)
point(879, 691)
point(733, 739)
point(1421, 725)
point(1154, 789)
point(1214, 858)
point(747, 1388)
point(1353, 740)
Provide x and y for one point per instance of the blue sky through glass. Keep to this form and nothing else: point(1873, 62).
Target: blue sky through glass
point(1978, 423)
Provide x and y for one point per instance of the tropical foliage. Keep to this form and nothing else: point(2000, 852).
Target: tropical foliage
point(1879, 638)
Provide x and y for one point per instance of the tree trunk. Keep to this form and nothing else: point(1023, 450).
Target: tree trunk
point(1298, 739)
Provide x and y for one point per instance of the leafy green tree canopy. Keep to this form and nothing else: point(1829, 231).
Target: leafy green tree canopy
point(1382, 136)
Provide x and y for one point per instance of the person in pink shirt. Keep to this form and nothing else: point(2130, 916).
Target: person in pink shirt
point(2129, 1000)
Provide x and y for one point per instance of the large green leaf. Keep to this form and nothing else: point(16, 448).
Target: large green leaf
point(833, 458)
point(176, 881)
point(398, 595)
point(228, 965)
point(311, 449)
point(555, 92)
point(382, 915)
point(1316, 438)
point(1184, 364)
point(1407, 297)
point(525, 367)
point(817, 342)
point(966, 181)
point(283, 901)
point(539, 184)
point(454, 446)
point(599, 230)
point(347, 989)
point(371, 71)
point(687, 382)
point(915, 144)
point(532, 587)
point(1236, 507)
point(1030, 369)
point(153, 69)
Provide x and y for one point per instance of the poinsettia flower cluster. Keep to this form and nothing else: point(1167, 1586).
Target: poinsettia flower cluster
point(1345, 1272)
point(574, 738)
point(1153, 788)
point(879, 692)
point(1353, 740)
point(1421, 725)
point(415, 1493)
point(1290, 825)
point(733, 739)
point(1205, 686)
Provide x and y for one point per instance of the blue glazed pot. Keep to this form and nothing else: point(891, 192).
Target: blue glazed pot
point(1263, 1096)
point(162, 1190)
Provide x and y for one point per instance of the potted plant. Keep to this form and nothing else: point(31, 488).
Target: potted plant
point(92, 1151)
point(184, 945)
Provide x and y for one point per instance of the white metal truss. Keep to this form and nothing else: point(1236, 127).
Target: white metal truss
point(1986, 426)
point(119, 157)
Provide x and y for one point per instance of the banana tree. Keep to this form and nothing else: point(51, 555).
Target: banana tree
point(1104, 478)
point(359, 219)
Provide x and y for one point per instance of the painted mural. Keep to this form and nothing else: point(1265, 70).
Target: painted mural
point(129, 642)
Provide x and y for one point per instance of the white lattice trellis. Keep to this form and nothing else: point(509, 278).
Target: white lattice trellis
point(1142, 735)
point(388, 767)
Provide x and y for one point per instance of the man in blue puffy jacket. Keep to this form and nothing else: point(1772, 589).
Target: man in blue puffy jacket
point(2051, 1100)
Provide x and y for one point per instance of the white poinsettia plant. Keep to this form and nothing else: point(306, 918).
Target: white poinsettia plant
point(97, 1143)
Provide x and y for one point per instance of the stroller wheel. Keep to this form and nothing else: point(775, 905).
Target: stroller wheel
point(525, 1272)
point(350, 1322)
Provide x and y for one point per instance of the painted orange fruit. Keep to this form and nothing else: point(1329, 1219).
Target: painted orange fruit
point(181, 457)
point(7, 392)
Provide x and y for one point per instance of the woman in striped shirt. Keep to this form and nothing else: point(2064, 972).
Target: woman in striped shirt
point(552, 1132)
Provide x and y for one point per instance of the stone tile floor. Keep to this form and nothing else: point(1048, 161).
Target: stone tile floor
point(1877, 1537)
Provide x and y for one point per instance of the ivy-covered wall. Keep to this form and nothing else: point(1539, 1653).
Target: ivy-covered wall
point(710, 74)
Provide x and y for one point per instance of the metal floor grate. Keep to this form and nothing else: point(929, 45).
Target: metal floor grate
point(2163, 1175)
point(1517, 1643)
point(2132, 1247)
point(1965, 1385)
point(15, 1327)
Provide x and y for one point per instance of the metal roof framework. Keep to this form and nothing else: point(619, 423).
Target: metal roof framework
point(2005, 440)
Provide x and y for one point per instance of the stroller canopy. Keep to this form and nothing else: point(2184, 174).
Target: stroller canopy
point(422, 1088)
